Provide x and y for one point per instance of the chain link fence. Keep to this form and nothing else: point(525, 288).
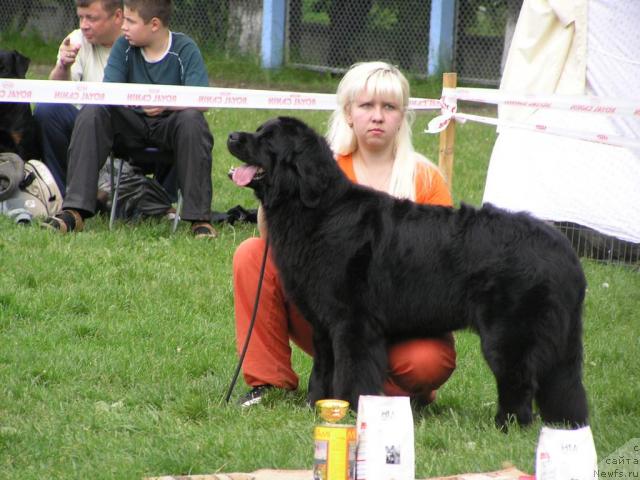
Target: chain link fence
point(483, 34)
point(333, 34)
point(321, 34)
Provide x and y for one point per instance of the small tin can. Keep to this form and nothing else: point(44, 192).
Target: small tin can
point(335, 443)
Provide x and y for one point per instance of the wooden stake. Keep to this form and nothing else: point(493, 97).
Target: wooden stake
point(447, 136)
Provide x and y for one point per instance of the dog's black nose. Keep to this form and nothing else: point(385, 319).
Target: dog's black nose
point(233, 137)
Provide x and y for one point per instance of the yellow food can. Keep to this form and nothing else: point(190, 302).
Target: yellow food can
point(335, 444)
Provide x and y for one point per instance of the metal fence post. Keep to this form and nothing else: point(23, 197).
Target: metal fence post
point(273, 32)
point(441, 36)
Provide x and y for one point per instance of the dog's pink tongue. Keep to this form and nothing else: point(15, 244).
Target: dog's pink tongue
point(242, 175)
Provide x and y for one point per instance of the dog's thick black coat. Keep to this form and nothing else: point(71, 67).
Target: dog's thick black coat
point(366, 269)
point(18, 132)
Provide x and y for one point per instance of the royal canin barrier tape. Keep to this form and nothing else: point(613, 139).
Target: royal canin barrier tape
point(439, 123)
point(608, 139)
point(572, 103)
point(588, 104)
point(134, 94)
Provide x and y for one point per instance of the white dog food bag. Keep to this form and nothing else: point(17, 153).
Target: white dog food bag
point(566, 455)
point(385, 439)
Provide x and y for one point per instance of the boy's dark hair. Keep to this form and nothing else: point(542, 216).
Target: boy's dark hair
point(109, 6)
point(147, 9)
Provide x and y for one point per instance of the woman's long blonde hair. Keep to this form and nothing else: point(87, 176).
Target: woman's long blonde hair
point(378, 78)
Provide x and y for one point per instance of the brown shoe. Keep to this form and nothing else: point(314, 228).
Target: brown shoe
point(64, 222)
point(203, 230)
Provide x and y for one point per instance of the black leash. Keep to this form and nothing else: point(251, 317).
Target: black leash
point(253, 321)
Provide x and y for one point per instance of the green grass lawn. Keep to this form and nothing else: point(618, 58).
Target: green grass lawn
point(117, 349)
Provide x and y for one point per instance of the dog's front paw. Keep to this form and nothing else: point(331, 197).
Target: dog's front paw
point(313, 397)
point(315, 393)
point(504, 420)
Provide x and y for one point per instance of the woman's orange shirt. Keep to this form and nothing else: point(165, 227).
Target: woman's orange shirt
point(431, 187)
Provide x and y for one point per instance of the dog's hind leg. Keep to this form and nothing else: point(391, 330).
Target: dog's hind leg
point(561, 397)
point(515, 397)
point(514, 377)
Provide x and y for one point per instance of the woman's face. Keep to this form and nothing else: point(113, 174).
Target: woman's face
point(376, 120)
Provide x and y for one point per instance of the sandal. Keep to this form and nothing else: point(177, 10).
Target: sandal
point(171, 214)
point(64, 222)
point(203, 230)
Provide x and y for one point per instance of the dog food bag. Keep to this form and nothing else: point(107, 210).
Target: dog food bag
point(385, 439)
point(566, 455)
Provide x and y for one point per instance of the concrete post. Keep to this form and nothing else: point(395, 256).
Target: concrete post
point(273, 33)
point(441, 36)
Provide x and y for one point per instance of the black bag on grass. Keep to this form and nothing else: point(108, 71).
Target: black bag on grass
point(139, 196)
point(235, 214)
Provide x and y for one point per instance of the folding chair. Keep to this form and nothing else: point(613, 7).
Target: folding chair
point(149, 160)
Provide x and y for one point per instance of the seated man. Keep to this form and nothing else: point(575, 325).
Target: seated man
point(148, 53)
point(82, 57)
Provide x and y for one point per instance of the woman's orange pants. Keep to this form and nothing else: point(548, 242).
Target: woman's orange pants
point(417, 367)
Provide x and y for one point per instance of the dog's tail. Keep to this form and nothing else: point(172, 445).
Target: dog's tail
point(560, 396)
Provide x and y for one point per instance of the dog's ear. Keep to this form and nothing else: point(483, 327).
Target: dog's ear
point(21, 64)
point(313, 183)
point(267, 194)
point(279, 187)
point(269, 190)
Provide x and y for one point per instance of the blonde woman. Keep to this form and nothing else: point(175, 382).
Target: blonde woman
point(370, 134)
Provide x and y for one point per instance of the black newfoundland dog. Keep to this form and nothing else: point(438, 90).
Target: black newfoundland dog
point(366, 269)
point(18, 131)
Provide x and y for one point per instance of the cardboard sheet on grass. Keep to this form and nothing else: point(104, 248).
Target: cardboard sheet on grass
point(506, 474)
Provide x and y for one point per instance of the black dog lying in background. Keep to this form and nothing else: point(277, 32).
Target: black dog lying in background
point(366, 269)
point(18, 132)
